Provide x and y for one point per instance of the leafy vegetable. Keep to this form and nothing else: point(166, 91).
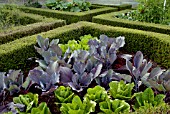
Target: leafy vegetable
point(149, 109)
point(96, 94)
point(46, 80)
point(76, 45)
point(11, 108)
point(29, 100)
point(72, 6)
point(78, 107)
point(138, 68)
point(41, 109)
point(13, 81)
point(158, 79)
point(64, 94)
point(51, 52)
point(120, 90)
point(114, 106)
point(152, 11)
point(84, 75)
point(147, 98)
point(105, 49)
point(106, 77)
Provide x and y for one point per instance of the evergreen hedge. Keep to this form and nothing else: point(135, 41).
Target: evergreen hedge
point(155, 45)
point(109, 19)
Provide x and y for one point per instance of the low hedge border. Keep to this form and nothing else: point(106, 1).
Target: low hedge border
point(155, 45)
point(70, 17)
point(41, 24)
point(119, 7)
point(109, 19)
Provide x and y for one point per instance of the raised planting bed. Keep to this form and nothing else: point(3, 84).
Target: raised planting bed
point(86, 81)
point(70, 17)
point(110, 19)
point(155, 45)
point(30, 24)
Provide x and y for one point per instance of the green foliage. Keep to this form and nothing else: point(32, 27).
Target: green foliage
point(64, 94)
point(120, 90)
point(162, 109)
point(97, 94)
point(73, 6)
point(147, 99)
point(75, 45)
point(29, 100)
point(152, 11)
point(9, 16)
point(41, 109)
point(35, 4)
point(114, 106)
point(78, 107)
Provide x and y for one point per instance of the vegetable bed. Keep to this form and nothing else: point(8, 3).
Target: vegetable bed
point(32, 24)
point(110, 19)
point(83, 76)
point(156, 46)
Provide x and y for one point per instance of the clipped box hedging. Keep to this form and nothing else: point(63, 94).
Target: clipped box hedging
point(30, 24)
point(109, 19)
point(70, 17)
point(155, 45)
point(119, 7)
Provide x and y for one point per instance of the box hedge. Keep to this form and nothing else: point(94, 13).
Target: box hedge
point(30, 24)
point(156, 46)
point(109, 19)
point(119, 7)
point(70, 17)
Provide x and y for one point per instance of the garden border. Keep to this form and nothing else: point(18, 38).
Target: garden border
point(155, 45)
point(108, 19)
point(120, 7)
point(41, 24)
point(70, 17)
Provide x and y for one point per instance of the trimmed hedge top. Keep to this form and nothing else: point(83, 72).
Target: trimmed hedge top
point(120, 7)
point(70, 17)
point(40, 24)
point(156, 46)
point(109, 19)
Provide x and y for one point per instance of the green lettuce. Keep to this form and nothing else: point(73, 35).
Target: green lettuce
point(148, 99)
point(114, 106)
point(41, 109)
point(78, 107)
point(64, 94)
point(97, 94)
point(30, 100)
point(120, 90)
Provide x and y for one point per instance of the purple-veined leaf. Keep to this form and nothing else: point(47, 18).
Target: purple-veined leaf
point(155, 72)
point(129, 66)
point(138, 59)
point(66, 74)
